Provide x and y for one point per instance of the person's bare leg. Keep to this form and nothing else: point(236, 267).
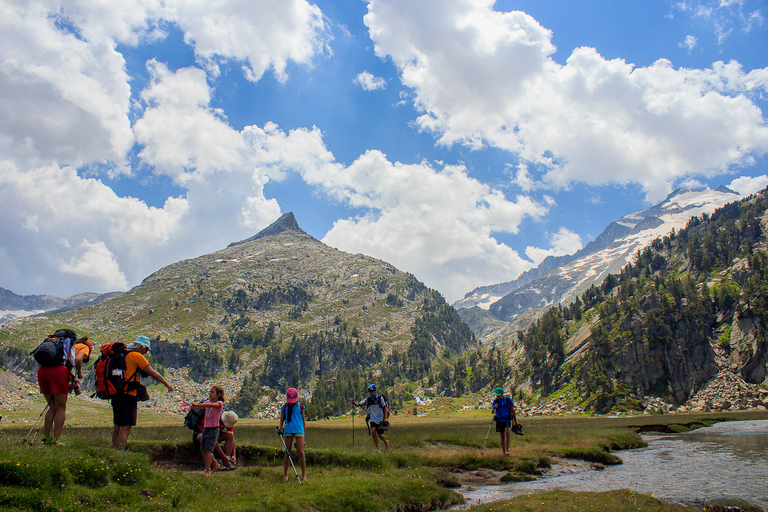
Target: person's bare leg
point(300, 455)
point(289, 446)
point(375, 436)
point(122, 437)
point(60, 415)
point(48, 422)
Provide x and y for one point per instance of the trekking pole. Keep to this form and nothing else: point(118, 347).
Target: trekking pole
point(353, 425)
point(486, 435)
point(47, 405)
point(288, 453)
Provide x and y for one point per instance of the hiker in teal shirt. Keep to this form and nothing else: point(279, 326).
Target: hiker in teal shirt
point(292, 416)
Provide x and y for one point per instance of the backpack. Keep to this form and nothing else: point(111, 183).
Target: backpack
point(193, 418)
point(110, 369)
point(51, 351)
point(380, 400)
point(504, 408)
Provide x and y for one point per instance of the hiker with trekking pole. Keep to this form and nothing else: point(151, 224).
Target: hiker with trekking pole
point(503, 409)
point(57, 355)
point(378, 414)
point(293, 418)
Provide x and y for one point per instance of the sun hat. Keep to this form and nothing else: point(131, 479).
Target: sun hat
point(292, 396)
point(498, 391)
point(229, 418)
point(144, 340)
point(371, 387)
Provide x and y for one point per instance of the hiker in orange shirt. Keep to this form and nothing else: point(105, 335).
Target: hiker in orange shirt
point(125, 406)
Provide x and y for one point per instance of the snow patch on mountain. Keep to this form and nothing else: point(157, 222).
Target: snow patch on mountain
point(562, 279)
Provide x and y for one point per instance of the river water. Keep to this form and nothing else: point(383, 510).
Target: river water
point(726, 460)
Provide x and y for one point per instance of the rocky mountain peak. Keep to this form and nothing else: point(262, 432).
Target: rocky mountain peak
point(285, 223)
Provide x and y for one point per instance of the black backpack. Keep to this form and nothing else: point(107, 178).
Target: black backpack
point(51, 351)
point(193, 418)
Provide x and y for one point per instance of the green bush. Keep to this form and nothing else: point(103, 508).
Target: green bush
point(41, 474)
point(526, 466)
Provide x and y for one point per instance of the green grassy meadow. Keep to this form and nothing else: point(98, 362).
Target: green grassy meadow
point(162, 471)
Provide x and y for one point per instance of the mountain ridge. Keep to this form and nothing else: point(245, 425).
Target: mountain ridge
point(562, 279)
point(280, 308)
point(286, 222)
point(13, 305)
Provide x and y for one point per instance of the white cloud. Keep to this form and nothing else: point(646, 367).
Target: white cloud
point(487, 77)
point(262, 34)
point(63, 98)
point(563, 242)
point(56, 226)
point(689, 43)
point(725, 16)
point(369, 82)
point(98, 266)
point(746, 185)
point(180, 134)
point(435, 223)
point(66, 93)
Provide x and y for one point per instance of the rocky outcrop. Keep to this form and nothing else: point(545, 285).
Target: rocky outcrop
point(747, 351)
point(727, 392)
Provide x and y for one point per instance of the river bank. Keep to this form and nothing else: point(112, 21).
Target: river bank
point(723, 463)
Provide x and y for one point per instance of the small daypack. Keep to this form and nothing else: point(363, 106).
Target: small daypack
point(51, 351)
point(110, 370)
point(193, 418)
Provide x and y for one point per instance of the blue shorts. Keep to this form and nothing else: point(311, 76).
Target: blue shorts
point(209, 439)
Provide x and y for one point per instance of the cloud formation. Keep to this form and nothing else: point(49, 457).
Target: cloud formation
point(435, 223)
point(75, 117)
point(484, 77)
point(369, 82)
point(67, 105)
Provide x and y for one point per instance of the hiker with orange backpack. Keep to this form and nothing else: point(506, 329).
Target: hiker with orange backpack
point(125, 403)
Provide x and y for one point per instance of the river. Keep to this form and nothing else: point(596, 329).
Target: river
point(726, 460)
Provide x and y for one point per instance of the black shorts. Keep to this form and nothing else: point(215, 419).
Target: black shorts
point(124, 409)
point(380, 427)
point(502, 426)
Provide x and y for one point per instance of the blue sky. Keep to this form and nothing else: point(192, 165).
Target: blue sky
point(460, 140)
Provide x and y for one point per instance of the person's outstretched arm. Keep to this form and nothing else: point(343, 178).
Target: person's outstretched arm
point(155, 375)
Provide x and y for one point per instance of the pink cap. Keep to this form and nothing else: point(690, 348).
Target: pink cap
point(292, 396)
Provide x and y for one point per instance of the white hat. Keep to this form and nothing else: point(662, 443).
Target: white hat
point(229, 418)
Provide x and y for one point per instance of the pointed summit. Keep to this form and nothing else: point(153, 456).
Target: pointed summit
point(285, 223)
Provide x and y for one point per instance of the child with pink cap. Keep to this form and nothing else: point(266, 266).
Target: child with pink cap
point(292, 416)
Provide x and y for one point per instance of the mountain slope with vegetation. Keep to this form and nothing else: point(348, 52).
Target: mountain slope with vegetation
point(279, 309)
point(689, 308)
